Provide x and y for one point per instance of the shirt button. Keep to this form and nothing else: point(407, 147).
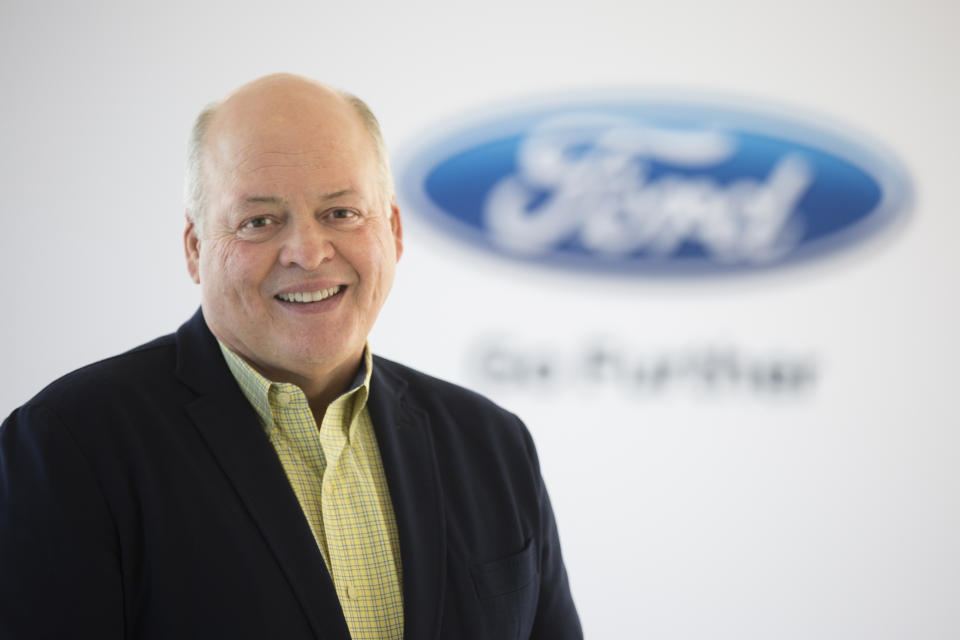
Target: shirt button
point(283, 398)
point(352, 592)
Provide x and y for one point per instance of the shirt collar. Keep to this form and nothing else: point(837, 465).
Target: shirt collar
point(262, 392)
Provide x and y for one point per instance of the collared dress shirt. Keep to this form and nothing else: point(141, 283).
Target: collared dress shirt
point(338, 478)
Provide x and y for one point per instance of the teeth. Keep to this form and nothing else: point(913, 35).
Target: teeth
point(311, 296)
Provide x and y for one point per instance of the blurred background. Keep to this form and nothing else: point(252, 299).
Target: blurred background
point(811, 493)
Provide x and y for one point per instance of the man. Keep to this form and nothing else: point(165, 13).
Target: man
point(258, 474)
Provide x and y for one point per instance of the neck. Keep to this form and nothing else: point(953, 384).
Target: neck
point(320, 387)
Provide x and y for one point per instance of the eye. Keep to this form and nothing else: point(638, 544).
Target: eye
point(342, 214)
point(342, 217)
point(258, 227)
point(257, 223)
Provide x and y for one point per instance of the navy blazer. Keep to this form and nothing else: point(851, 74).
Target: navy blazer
point(141, 498)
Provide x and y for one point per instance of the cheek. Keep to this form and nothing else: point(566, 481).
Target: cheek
point(235, 269)
point(380, 260)
point(370, 261)
point(382, 250)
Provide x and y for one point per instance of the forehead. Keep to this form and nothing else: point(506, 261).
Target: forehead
point(283, 132)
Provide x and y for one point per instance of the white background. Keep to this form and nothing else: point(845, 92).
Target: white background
point(687, 513)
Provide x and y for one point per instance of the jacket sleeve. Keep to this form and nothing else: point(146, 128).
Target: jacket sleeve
point(556, 617)
point(59, 566)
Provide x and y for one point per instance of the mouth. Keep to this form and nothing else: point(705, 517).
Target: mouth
point(306, 297)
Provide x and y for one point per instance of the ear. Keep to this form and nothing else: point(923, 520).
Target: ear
point(191, 246)
point(396, 226)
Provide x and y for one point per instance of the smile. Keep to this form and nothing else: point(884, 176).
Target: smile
point(310, 296)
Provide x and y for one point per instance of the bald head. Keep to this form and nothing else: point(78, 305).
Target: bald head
point(284, 105)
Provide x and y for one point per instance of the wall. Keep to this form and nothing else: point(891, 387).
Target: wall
point(828, 509)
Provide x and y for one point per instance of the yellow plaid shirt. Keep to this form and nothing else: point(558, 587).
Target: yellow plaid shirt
point(337, 475)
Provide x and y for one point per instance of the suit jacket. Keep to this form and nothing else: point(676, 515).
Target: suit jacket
point(141, 498)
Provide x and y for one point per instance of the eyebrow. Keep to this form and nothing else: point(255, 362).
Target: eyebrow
point(275, 200)
point(262, 199)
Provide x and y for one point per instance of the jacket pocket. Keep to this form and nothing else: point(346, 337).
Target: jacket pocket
point(505, 575)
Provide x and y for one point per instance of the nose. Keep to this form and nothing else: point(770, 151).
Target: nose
point(306, 245)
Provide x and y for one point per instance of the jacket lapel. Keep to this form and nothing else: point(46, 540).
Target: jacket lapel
point(409, 461)
point(233, 433)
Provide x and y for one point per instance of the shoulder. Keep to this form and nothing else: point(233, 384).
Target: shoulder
point(127, 377)
point(459, 418)
point(431, 392)
point(101, 412)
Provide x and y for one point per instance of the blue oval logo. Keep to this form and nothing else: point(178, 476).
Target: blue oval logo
point(652, 185)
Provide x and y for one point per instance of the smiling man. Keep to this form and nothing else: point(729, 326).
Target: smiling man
point(259, 474)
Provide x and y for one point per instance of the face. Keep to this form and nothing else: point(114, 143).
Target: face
point(296, 251)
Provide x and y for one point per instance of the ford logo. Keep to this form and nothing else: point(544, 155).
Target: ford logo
point(652, 186)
